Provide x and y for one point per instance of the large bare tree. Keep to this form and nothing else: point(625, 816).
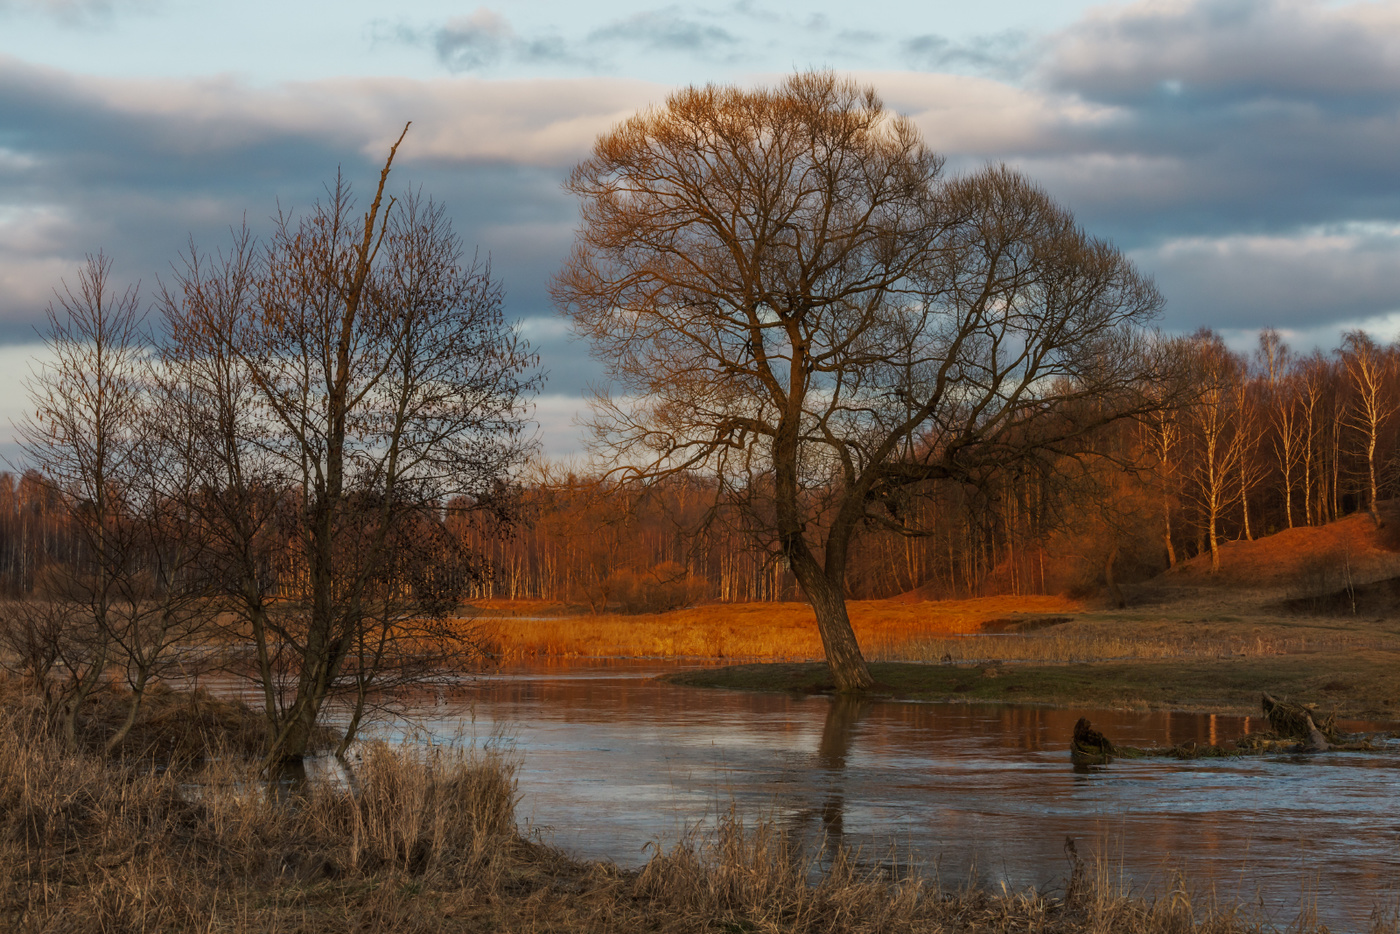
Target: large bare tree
point(792, 297)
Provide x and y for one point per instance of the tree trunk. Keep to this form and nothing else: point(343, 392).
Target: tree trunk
point(1214, 542)
point(138, 694)
point(1110, 580)
point(1244, 502)
point(1167, 535)
point(1371, 465)
point(843, 656)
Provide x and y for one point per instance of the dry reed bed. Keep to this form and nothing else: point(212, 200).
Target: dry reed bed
point(425, 841)
point(769, 631)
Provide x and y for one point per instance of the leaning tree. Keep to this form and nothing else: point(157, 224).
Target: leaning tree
point(792, 296)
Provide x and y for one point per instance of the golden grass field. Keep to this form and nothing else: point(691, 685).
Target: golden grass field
point(751, 631)
point(1307, 611)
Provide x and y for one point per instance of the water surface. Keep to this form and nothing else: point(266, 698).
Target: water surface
point(614, 760)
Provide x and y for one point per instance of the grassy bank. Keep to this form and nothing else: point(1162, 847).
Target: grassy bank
point(425, 840)
point(776, 631)
point(1356, 685)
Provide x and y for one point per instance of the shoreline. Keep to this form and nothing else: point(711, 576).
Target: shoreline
point(1355, 688)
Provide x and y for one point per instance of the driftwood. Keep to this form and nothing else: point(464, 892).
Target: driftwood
point(1298, 720)
point(1295, 729)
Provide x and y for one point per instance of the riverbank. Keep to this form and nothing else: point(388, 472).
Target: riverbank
point(425, 839)
point(1361, 686)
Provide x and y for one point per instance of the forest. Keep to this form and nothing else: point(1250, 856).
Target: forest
point(1267, 440)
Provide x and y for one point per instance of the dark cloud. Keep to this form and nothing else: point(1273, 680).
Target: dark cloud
point(1294, 280)
point(1225, 116)
point(1221, 51)
point(138, 169)
point(1243, 150)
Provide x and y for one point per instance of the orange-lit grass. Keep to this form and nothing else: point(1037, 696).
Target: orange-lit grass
point(776, 631)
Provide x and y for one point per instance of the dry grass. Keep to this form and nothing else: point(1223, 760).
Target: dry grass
point(1189, 613)
point(1115, 636)
point(424, 840)
point(770, 631)
point(1299, 559)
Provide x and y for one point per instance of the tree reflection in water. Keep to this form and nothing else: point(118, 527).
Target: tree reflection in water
point(838, 731)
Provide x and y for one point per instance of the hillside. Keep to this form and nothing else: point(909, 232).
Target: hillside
point(1347, 556)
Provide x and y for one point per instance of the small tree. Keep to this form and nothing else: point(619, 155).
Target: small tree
point(127, 598)
point(1286, 402)
point(1212, 424)
point(793, 299)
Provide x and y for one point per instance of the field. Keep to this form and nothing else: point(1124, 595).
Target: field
point(768, 631)
point(1311, 613)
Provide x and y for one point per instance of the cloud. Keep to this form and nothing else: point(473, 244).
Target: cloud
point(1165, 55)
point(1243, 152)
point(473, 42)
point(484, 39)
point(666, 30)
point(1002, 54)
point(73, 12)
point(1161, 52)
point(1334, 273)
point(137, 167)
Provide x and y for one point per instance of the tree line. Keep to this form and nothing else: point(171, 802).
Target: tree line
point(1254, 442)
point(1271, 439)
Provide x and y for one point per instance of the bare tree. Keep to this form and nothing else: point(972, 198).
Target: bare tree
point(1162, 440)
point(1213, 423)
point(350, 378)
point(91, 439)
point(1285, 402)
point(1370, 370)
point(1250, 423)
point(1314, 374)
point(794, 300)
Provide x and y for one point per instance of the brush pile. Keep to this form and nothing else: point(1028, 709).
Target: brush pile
point(1296, 728)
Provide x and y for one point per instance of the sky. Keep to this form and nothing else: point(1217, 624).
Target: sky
point(1242, 152)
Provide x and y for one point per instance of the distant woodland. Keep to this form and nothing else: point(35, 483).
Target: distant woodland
point(1260, 442)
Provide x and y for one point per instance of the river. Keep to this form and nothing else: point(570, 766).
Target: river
point(612, 760)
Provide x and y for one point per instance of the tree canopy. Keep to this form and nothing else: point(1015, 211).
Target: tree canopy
point(792, 295)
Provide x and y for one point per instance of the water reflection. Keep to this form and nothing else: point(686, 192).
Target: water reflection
point(827, 816)
point(613, 760)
